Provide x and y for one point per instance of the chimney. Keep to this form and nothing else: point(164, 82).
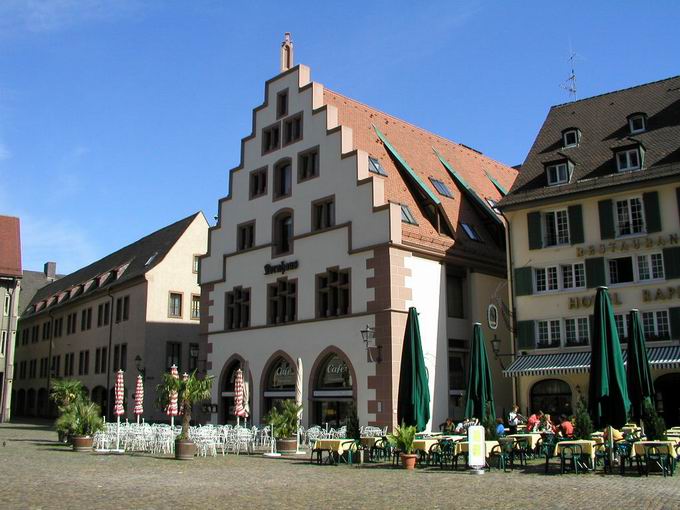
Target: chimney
point(50, 270)
point(286, 52)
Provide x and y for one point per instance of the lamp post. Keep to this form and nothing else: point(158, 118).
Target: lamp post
point(368, 336)
point(140, 366)
point(496, 348)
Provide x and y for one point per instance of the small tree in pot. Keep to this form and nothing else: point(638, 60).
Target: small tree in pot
point(284, 418)
point(64, 393)
point(402, 439)
point(81, 420)
point(190, 390)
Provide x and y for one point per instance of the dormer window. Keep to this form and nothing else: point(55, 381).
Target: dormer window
point(637, 123)
point(407, 215)
point(570, 138)
point(629, 159)
point(558, 173)
point(375, 167)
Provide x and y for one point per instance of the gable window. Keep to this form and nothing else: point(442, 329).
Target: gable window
point(282, 301)
point(573, 276)
point(442, 188)
point(270, 138)
point(546, 279)
point(656, 325)
point(650, 267)
point(471, 232)
point(576, 331)
point(173, 355)
point(282, 179)
point(549, 333)
point(308, 164)
point(245, 236)
point(195, 307)
point(175, 305)
point(407, 215)
point(570, 138)
point(557, 174)
point(292, 129)
point(627, 160)
point(237, 307)
point(282, 104)
point(629, 217)
point(555, 228)
point(195, 264)
point(637, 123)
point(375, 167)
point(333, 291)
point(323, 213)
point(258, 182)
point(283, 233)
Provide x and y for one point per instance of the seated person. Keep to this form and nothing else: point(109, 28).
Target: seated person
point(545, 426)
point(566, 428)
point(448, 427)
point(617, 435)
point(500, 428)
point(533, 420)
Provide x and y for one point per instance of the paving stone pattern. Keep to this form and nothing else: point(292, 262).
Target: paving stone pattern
point(38, 473)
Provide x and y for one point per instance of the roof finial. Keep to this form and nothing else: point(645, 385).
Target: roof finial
point(286, 52)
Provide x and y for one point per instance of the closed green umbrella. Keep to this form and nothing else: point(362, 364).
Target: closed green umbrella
point(640, 383)
point(608, 391)
point(413, 406)
point(479, 392)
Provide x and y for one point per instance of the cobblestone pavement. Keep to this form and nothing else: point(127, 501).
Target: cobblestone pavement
point(37, 472)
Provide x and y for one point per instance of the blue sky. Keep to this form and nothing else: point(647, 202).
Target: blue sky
point(119, 117)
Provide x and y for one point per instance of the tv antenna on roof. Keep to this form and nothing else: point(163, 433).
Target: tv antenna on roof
point(570, 83)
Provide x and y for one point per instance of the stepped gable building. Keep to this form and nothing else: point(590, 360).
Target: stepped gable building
point(10, 289)
point(339, 218)
point(136, 309)
point(597, 203)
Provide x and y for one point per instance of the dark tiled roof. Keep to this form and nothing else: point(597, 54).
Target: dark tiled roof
point(132, 260)
point(30, 284)
point(603, 123)
point(10, 246)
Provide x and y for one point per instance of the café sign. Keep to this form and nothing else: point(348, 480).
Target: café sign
point(281, 267)
point(626, 245)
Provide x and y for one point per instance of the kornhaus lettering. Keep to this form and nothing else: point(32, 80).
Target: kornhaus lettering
point(281, 267)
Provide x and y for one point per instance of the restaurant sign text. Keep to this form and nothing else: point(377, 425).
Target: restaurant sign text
point(627, 245)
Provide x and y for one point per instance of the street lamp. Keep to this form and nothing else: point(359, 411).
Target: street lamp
point(368, 336)
point(140, 366)
point(496, 348)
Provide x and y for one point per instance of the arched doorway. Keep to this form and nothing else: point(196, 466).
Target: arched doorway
point(552, 396)
point(668, 398)
point(30, 402)
point(99, 397)
point(227, 389)
point(279, 382)
point(43, 403)
point(333, 391)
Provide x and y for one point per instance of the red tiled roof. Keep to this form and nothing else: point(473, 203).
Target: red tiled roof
point(416, 145)
point(10, 246)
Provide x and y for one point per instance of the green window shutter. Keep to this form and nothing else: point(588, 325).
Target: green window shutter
point(671, 262)
point(534, 229)
point(526, 335)
point(575, 223)
point(595, 274)
point(652, 212)
point(674, 318)
point(524, 282)
point(606, 210)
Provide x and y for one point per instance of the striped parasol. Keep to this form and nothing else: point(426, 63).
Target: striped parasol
point(172, 409)
point(139, 396)
point(119, 391)
point(239, 410)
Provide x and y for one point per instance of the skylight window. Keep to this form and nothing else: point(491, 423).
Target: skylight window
point(557, 174)
point(570, 138)
point(375, 167)
point(151, 258)
point(471, 232)
point(442, 188)
point(493, 204)
point(407, 215)
point(637, 123)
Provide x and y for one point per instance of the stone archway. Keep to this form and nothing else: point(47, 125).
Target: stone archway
point(277, 381)
point(332, 388)
point(552, 396)
point(226, 389)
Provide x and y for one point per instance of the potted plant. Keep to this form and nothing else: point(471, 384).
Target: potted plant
point(64, 393)
point(190, 390)
point(583, 424)
point(81, 420)
point(284, 420)
point(402, 439)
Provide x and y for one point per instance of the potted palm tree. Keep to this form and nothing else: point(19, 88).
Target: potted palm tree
point(81, 420)
point(64, 393)
point(402, 439)
point(190, 390)
point(284, 418)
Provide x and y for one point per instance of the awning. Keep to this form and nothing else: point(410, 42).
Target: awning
point(579, 362)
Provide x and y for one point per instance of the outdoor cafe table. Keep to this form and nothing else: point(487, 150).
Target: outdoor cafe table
point(588, 447)
point(369, 441)
point(426, 443)
point(533, 439)
point(639, 447)
point(338, 446)
point(463, 446)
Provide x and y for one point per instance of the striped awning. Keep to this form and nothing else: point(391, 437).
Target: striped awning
point(579, 362)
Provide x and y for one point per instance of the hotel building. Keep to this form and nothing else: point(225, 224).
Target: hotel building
point(597, 203)
point(136, 309)
point(339, 218)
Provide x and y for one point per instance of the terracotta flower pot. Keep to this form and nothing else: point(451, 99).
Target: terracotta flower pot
point(82, 443)
point(185, 449)
point(408, 460)
point(288, 445)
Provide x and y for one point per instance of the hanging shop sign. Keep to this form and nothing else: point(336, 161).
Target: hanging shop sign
point(281, 267)
point(627, 245)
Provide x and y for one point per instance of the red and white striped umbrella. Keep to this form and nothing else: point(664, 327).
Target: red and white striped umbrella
point(139, 396)
point(172, 409)
point(239, 409)
point(119, 390)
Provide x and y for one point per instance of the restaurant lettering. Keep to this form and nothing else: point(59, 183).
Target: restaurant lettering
point(281, 267)
point(588, 301)
point(660, 294)
point(627, 245)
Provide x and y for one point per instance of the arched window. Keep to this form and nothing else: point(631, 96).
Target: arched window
point(283, 233)
point(227, 390)
point(280, 383)
point(551, 396)
point(283, 179)
point(333, 391)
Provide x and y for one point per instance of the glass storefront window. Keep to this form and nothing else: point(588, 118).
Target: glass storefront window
point(333, 392)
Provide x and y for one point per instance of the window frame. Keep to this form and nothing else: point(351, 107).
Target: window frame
point(289, 123)
point(239, 229)
point(407, 216)
point(263, 175)
point(278, 167)
point(338, 287)
point(629, 210)
point(306, 153)
point(276, 232)
point(545, 270)
point(637, 116)
point(577, 137)
point(242, 304)
point(191, 307)
point(280, 113)
point(441, 187)
point(375, 167)
point(578, 342)
point(656, 337)
point(550, 344)
point(267, 131)
point(636, 268)
point(556, 166)
point(171, 294)
point(471, 232)
point(286, 296)
point(321, 202)
point(572, 265)
point(627, 153)
point(544, 227)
